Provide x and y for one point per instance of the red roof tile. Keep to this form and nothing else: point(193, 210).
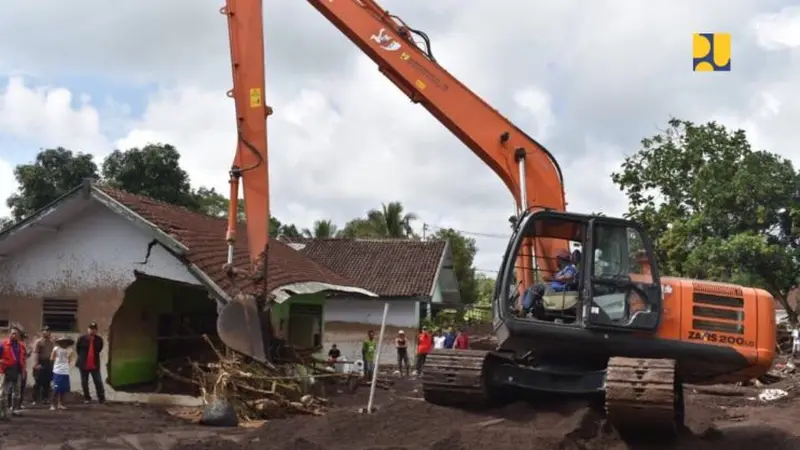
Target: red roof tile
point(205, 237)
point(387, 267)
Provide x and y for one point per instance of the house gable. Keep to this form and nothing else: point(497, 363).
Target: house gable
point(82, 245)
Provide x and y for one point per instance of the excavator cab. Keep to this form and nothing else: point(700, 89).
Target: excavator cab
point(617, 286)
point(621, 288)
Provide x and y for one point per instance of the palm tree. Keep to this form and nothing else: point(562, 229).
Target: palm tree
point(390, 221)
point(322, 229)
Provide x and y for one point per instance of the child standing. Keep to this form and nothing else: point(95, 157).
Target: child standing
point(63, 357)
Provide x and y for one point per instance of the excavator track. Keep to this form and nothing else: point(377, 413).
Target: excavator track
point(644, 397)
point(455, 378)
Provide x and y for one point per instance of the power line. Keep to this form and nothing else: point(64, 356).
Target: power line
point(426, 226)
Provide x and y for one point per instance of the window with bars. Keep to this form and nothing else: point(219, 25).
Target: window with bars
point(60, 315)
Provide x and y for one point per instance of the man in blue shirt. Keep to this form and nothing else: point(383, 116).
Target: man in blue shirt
point(564, 280)
point(449, 338)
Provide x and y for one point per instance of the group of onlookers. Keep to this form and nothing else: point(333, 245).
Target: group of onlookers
point(52, 360)
point(455, 339)
point(426, 341)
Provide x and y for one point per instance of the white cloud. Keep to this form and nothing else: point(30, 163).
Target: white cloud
point(51, 116)
point(587, 80)
point(778, 30)
point(8, 186)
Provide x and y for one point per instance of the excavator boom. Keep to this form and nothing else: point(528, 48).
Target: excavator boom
point(525, 166)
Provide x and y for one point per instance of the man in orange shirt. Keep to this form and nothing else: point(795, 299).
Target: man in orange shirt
point(424, 345)
point(88, 349)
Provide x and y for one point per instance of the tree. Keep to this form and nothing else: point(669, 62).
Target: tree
point(153, 171)
point(322, 229)
point(278, 228)
point(717, 209)
point(213, 203)
point(53, 173)
point(484, 289)
point(361, 228)
point(391, 221)
point(5, 222)
point(464, 250)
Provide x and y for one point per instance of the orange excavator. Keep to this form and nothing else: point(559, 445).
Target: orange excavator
point(617, 328)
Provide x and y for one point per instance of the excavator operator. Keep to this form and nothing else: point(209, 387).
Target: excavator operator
point(564, 280)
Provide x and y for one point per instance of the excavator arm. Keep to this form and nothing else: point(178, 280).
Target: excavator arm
point(241, 324)
point(528, 169)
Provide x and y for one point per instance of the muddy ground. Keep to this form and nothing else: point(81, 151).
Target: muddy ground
point(405, 422)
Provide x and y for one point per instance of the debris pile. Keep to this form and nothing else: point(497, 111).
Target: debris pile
point(259, 391)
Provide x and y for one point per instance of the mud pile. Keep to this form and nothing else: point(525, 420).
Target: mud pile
point(562, 425)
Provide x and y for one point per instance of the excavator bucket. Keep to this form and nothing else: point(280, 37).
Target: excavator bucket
point(240, 325)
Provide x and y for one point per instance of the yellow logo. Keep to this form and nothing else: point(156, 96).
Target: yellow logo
point(405, 56)
point(255, 98)
point(712, 52)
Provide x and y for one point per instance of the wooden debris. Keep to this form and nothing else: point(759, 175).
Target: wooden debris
point(260, 391)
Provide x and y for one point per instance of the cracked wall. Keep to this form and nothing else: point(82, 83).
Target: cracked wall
point(93, 259)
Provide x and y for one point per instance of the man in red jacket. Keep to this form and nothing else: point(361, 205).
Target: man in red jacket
point(424, 345)
point(462, 341)
point(12, 366)
point(88, 349)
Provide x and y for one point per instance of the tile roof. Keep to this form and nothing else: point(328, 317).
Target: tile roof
point(388, 267)
point(205, 237)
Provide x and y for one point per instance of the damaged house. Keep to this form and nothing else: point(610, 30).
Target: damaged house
point(150, 274)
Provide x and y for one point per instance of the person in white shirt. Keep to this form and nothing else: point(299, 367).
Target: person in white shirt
point(438, 339)
point(795, 342)
point(62, 357)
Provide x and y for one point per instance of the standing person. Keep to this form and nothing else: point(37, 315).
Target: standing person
point(333, 357)
point(462, 340)
point(438, 339)
point(795, 342)
point(43, 366)
point(449, 338)
point(401, 344)
point(368, 350)
point(12, 366)
point(88, 347)
point(23, 382)
point(424, 345)
point(62, 358)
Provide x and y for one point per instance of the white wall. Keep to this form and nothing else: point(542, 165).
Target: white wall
point(348, 320)
point(98, 249)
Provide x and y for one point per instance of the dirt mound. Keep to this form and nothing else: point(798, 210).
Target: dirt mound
point(557, 424)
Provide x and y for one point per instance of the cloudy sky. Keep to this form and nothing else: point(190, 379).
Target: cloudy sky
point(589, 79)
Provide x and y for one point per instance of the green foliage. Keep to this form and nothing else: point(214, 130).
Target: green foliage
point(719, 209)
point(153, 171)
point(278, 228)
point(322, 229)
point(5, 222)
point(464, 250)
point(213, 203)
point(391, 221)
point(484, 289)
point(53, 173)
